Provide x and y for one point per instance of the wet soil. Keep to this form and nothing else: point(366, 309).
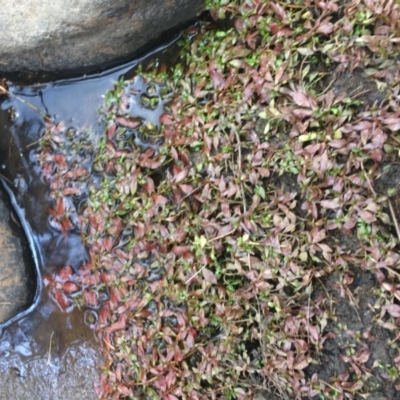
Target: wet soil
point(354, 305)
point(356, 84)
point(356, 312)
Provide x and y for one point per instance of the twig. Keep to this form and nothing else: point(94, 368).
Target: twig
point(34, 143)
point(194, 276)
point(222, 236)
point(13, 185)
point(395, 139)
point(396, 225)
point(109, 345)
point(301, 70)
point(353, 302)
point(327, 295)
point(7, 180)
point(392, 213)
point(30, 105)
point(332, 387)
point(328, 87)
point(239, 143)
point(359, 94)
point(189, 194)
point(367, 178)
point(308, 319)
point(49, 356)
point(392, 271)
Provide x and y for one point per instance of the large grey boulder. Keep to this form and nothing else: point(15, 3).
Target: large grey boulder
point(83, 35)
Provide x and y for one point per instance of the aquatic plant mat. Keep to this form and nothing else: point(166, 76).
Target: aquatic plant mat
point(241, 209)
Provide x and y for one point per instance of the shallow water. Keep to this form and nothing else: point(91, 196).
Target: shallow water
point(49, 354)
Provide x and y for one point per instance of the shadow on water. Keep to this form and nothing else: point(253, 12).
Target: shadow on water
point(46, 353)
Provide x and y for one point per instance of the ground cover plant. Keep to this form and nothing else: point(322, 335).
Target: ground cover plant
point(241, 211)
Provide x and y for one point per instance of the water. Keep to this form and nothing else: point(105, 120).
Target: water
point(46, 353)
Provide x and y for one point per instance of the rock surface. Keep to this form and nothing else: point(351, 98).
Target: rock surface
point(14, 281)
point(74, 36)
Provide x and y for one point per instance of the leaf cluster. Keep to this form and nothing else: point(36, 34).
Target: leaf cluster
point(209, 225)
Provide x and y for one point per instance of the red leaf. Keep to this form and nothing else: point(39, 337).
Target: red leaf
point(178, 236)
point(216, 77)
point(69, 191)
point(318, 236)
point(367, 216)
point(280, 71)
point(187, 189)
point(65, 273)
point(159, 199)
point(170, 379)
point(180, 250)
point(166, 119)
point(149, 185)
point(393, 310)
point(205, 259)
point(115, 297)
point(279, 11)
point(124, 390)
point(66, 225)
point(395, 126)
point(330, 204)
point(325, 29)
point(111, 131)
point(209, 276)
point(104, 315)
point(59, 208)
point(77, 173)
point(301, 99)
point(190, 341)
point(91, 279)
point(338, 143)
point(62, 300)
point(130, 123)
point(90, 297)
point(70, 287)
point(181, 176)
point(117, 326)
point(118, 372)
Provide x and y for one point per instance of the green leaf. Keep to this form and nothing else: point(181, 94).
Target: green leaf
point(260, 191)
point(263, 115)
point(202, 241)
point(307, 137)
point(305, 51)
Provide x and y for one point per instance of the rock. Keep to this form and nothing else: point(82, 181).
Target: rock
point(15, 282)
point(81, 36)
